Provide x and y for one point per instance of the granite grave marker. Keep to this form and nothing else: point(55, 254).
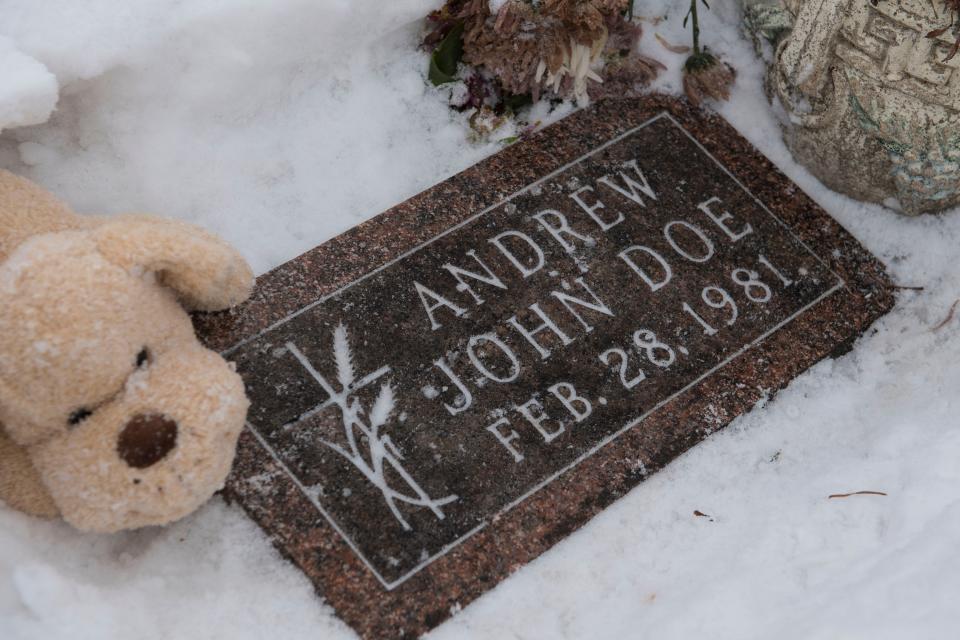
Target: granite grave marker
point(446, 391)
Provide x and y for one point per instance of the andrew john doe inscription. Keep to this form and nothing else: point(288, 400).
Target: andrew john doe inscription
point(419, 402)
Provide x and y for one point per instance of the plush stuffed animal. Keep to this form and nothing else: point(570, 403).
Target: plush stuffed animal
point(112, 414)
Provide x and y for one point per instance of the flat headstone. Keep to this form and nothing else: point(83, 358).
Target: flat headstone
point(444, 392)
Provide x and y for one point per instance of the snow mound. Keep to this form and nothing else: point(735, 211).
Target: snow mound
point(275, 125)
point(28, 92)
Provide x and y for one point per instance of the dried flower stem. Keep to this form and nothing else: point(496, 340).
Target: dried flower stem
point(696, 27)
point(856, 493)
point(946, 321)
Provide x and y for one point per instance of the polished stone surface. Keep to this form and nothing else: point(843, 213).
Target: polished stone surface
point(444, 392)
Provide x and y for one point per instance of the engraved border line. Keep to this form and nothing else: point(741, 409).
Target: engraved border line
point(333, 523)
point(755, 198)
point(443, 233)
point(390, 585)
point(636, 421)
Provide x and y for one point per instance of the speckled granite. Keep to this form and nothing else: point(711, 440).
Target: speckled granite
point(499, 444)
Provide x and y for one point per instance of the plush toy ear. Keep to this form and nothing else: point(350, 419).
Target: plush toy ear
point(206, 273)
point(27, 210)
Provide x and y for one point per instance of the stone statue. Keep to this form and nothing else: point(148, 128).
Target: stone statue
point(874, 105)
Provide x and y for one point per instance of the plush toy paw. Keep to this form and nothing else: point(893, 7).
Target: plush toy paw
point(111, 412)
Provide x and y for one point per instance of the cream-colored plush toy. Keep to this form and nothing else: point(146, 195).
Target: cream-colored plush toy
point(112, 415)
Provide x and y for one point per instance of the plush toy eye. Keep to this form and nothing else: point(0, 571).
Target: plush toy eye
point(79, 416)
point(143, 357)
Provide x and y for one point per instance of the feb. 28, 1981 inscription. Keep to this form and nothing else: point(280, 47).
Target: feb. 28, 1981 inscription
point(431, 396)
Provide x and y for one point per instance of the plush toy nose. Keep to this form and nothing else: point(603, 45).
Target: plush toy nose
point(146, 440)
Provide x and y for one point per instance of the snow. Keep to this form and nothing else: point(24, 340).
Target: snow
point(275, 124)
point(28, 92)
point(280, 124)
point(195, 579)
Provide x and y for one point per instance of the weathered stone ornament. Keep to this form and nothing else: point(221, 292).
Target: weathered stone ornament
point(874, 103)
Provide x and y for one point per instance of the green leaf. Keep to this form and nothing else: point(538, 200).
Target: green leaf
point(446, 57)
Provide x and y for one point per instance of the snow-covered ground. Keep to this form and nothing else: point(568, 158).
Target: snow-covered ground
point(281, 124)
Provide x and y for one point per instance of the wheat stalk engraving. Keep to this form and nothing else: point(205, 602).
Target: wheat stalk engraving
point(381, 453)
